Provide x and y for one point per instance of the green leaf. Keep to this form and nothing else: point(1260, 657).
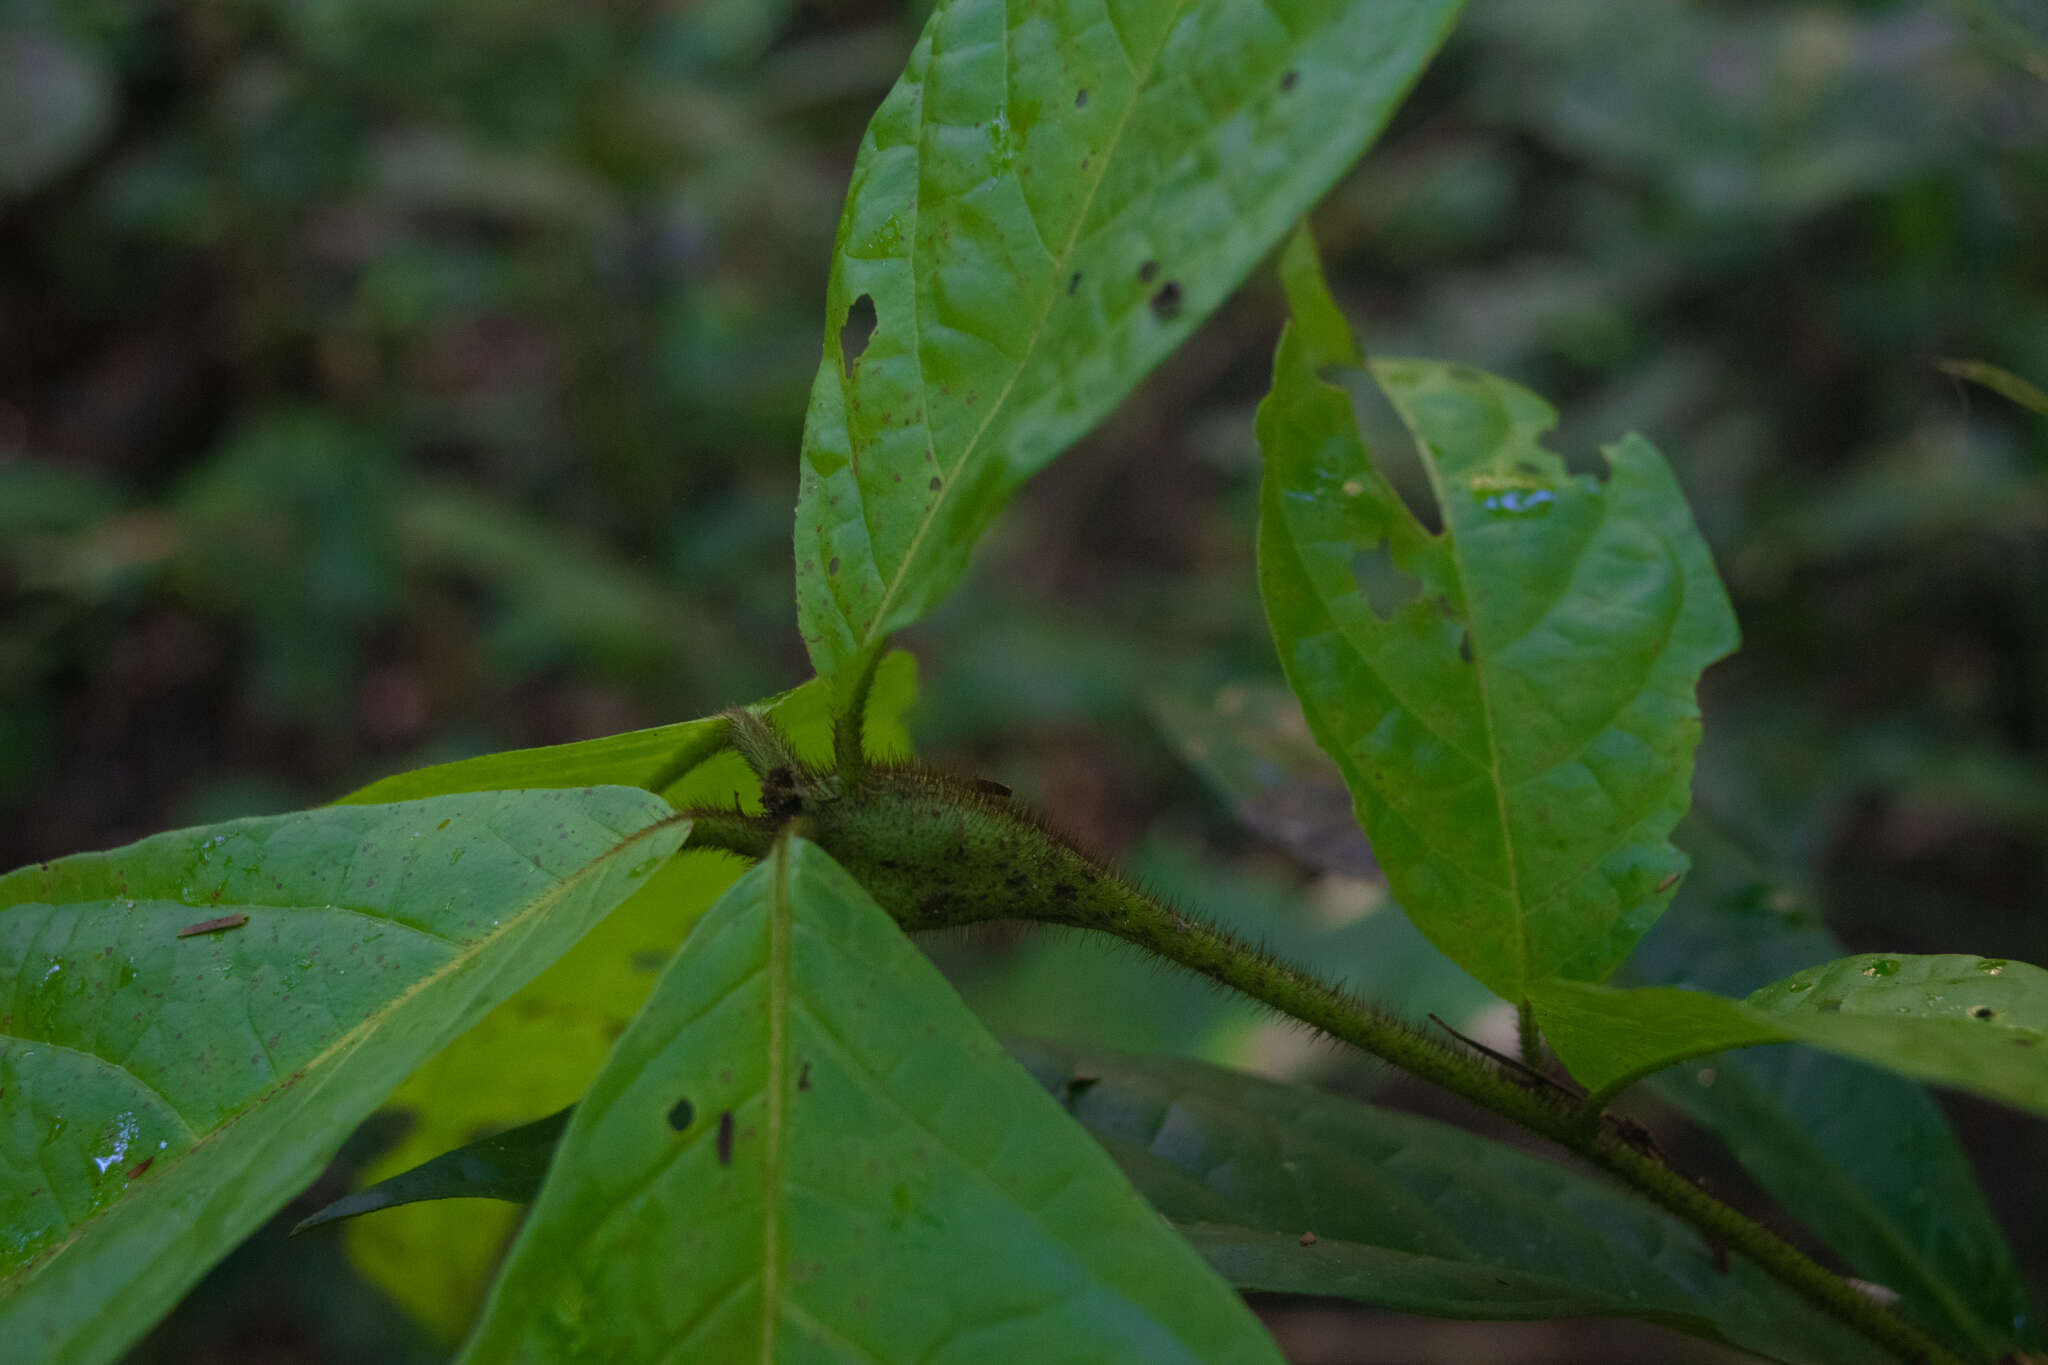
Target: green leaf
point(1046, 204)
point(2002, 382)
point(538, 1051)
point(194, 1022)
point(508, 1166)
point(534, 1054)
point(669, 759)
point(1862, 1157)
point(805, 1146)
point(1510, 700)
point(1979, 1024)
point(1419, 1216)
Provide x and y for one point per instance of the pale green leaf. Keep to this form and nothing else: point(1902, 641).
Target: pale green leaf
point(1046, 204)
point(1979, 1024)
point(538, 1051)
point(194, 1022)
point(532, 1055)
point(806, 1148)
point(1510, 700)
point(1410, 1213)
point(674, 760)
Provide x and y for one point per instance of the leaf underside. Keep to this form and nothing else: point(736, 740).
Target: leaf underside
point(1409, 1213)
point(193, 1023)
point(1046, 204)
point(805, 1147)
point(1510, 700)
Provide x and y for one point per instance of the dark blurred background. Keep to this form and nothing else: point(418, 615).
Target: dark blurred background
point(383, 381)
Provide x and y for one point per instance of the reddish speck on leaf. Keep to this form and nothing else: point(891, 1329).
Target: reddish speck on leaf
point(1308, 1239)
point(139, 1167)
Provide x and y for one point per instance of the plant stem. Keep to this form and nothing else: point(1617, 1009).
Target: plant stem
point(1128, 914)
point(1532, 1040)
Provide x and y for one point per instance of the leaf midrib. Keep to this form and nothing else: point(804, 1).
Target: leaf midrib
point(875, 631)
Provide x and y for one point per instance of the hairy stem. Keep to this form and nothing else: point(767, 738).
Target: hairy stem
point(1121, 910)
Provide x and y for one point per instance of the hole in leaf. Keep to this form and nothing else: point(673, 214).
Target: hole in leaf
point(1385, 587)
point(856, 332)
point(1392, 446)
point(681, 1115)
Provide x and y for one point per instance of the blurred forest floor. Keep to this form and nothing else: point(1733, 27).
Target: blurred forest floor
point(384, 381)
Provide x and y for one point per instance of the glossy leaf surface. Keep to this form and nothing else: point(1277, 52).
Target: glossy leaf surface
point(165, 1086)
point(537, 1052)
point(805, 1147)
point(1446, 1222)
point(1979, 1024)
point(1511, 699)
point(1049, 200)
point(1861, 1156)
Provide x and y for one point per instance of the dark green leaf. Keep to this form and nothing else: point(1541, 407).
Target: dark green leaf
point(1510, 700)
point(1443, 1216)
point(507, 1166)
point(805, 1147)
point(1861, 1156)
point(1046, 204)
point(162, 1090)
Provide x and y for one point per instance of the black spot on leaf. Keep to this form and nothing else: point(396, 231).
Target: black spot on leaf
point(803, 1077)
point(1290, 80)
point(1081, 99)
point(725, 1138)
point(1148, 272)
point(1166, 303)
point(935, 483)
point(681, 1115)
point(857, 331)
point(1073, 283)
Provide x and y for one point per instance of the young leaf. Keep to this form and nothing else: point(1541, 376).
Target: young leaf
point(1862, 1157)
point(1046, 204)
point(805, 1146)
point(1979, 1024)
point(1426, 1218)
point(1518, 733)
point(539, 1050)
point(674, 760)
point(194, 1022)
